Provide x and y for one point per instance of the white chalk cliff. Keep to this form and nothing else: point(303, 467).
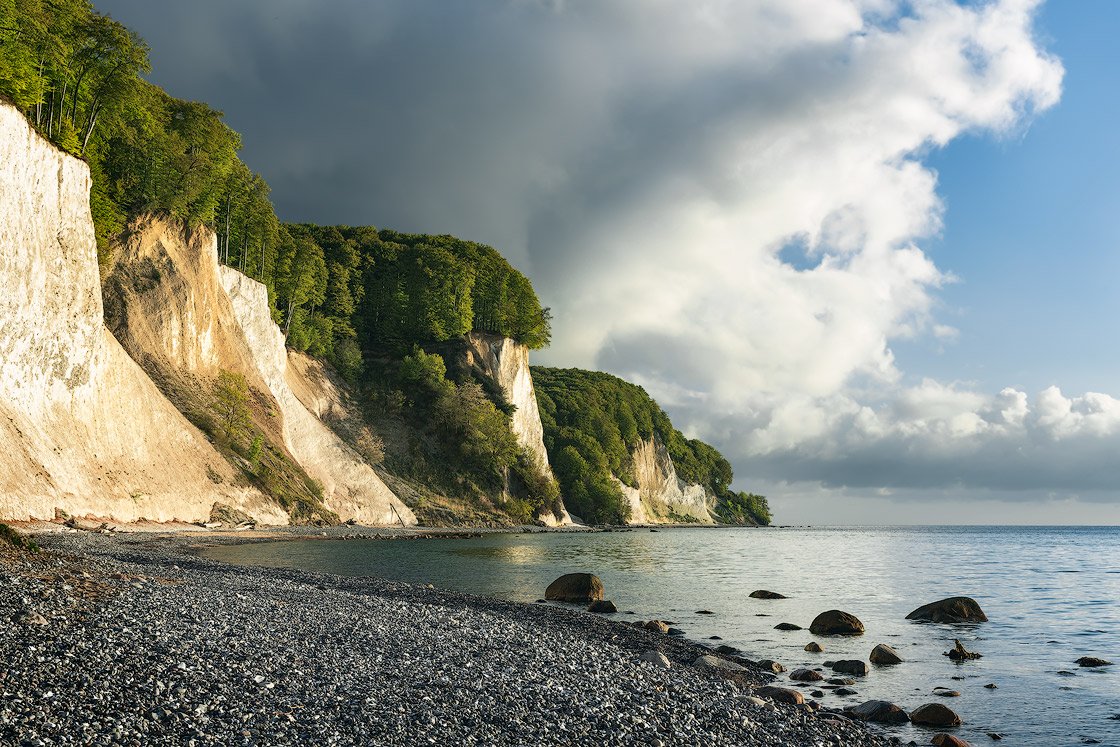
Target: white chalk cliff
point(84, 428)
point(350, 486)
point(661, 496)
point(506, 362)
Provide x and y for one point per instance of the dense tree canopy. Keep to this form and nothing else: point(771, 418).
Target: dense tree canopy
point(592, 422)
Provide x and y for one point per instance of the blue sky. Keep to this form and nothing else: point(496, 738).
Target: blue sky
point(1032, 229)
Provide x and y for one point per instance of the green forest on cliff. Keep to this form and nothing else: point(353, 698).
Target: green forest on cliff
point(389, 310)
point(593, 421)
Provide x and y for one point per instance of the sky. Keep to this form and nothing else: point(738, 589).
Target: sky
point(867, 248)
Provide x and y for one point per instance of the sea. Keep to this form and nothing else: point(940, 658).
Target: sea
point(1052, 595)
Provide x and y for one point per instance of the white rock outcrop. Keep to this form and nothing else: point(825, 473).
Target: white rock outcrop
point(84, 429)
point(506, 362)
point(350, 486)
point(661, 496)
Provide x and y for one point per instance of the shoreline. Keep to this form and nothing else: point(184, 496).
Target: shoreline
point(186, 647)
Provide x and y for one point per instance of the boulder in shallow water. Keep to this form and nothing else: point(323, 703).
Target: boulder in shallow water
point(576, 588)
point(948, 740)
point(780, 695)
point(951, 610)
point(805, 675)
point(602, 606)
point(851, 666)
point(836, 622)
point(655, 626)
point(1092, 661)
point(879, 712)
point(787, 626)
point(935, 714)
point(813, 647)
point(771, 666)
point(763, 594)
point(960, 653)
point(883, 655)
point(707, 661)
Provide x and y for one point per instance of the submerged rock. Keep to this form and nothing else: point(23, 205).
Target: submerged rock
point(576, 588)
point(805, 675)
point(951, 610)
point(787, 626)
point(851, 666)
point(960, 653)
point(1092, 661)
point(764, 594)
point(836, 622)
point(878, 711)
point(883, 655)
point(948, 740)
point(935, 714)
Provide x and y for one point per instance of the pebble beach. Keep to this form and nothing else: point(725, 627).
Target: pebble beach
point(131, 639)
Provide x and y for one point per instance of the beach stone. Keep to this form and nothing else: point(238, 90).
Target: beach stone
point(725, 649)
point(934, 714)
point(951, 610)
point(764, 594)
point(805, 675)
point(655, 658)
point(576, 588)
point(879, 712)
point(1092, 661)
point(945, 692)
point(852, 666)
point(814, 647)
point(780, 695)
point(675, 631)
point(655, 626)
point(787, 626)
point(817, 693)
point(771, 666)
point(845, 691)
point(948, 740)
point(707, 661)
point(883, 655)
point(991, 686)
point(840, 681)
point(704, 612)
point(836, 622)
point(602, 606)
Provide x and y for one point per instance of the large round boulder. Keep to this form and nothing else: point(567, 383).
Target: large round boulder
point(805, 675)
point(836, 622)
point(935, 714)
point(951, 610)
point(878, 711)
point(576, 588)
point(602, 607)
point(883, 655)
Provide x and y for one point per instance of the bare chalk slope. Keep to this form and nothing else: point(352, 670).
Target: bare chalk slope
point(84, 429)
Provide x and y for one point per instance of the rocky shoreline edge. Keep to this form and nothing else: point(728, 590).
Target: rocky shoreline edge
point(133, 639)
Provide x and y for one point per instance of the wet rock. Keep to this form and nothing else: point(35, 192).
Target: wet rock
point(1092, 661)
point(576, 588)
point(655, 626)
point(934, 714)
point(951, 610)
point(780, 695)
point(840, 681)
point(817, 693)
point(602, 606)
point(995, 736)
point(960, 653)
point(948, 740)
point(675, 631)
point(787, 626)
point(725, 649)
point(771, 666)
point(836, 622)
point(883, 655)
point(764, 594)
point(655, 658)
point(852, 666)
point(805, 675)
point(878, 711)
point(814, 647)
point(944, 692)
point(704, 612)
point(991, 686)
point(845, 691)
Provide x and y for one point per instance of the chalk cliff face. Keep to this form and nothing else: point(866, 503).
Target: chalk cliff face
point(350, 486)
point(84, 429)
point(506, 362)
point(661, 496)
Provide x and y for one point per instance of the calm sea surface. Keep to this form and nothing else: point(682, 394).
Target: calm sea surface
point(1052, 595)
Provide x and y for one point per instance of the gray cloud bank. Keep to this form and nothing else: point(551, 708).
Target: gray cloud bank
point(720, 200)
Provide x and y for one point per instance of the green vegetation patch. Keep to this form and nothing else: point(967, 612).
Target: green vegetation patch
point(12, 538)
